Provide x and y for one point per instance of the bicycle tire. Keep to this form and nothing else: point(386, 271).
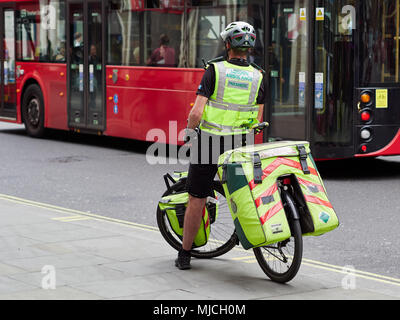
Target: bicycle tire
point(214, 247)
point(268, 260)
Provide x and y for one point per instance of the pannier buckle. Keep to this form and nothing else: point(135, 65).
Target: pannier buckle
point(303, 158)
point(258, 173)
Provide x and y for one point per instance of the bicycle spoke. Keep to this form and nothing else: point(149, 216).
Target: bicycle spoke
point(279, 256)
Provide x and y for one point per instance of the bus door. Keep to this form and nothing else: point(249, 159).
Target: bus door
point(332, 130)
point(7, 66)
point(288, 61)
point(85, 65)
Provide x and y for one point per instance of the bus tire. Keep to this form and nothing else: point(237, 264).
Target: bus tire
point(33, 111)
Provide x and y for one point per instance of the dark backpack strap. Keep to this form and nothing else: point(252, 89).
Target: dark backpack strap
point(303, 158)
point(258, 68)
point(257, 166)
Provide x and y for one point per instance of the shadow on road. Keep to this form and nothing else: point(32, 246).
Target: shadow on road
point(360, 168)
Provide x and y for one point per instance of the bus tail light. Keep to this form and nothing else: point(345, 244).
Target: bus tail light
point(365, 116)
point(365, 98)
point(364, 148)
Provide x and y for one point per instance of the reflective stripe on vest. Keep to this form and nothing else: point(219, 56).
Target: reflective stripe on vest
point(220, 128)
point(232, 108)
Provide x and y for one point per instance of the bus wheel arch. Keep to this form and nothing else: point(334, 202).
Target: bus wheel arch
point(33, 108)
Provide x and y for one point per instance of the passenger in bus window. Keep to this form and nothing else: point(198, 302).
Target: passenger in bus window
point(77, 52)
point(93, 59)
point(78, 39)
point(60, 57)
point(164, 55)
point(205, 27)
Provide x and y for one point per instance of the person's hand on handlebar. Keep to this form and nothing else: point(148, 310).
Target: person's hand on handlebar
point(190, 135)
point(259, 127)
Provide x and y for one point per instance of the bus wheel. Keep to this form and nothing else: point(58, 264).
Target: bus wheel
point(33, 111)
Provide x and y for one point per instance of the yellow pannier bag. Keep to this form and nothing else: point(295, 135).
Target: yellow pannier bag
point(250, 179)
point(175, 207)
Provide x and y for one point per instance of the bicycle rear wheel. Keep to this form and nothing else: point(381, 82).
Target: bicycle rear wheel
point(222, 235)
point(281, 261)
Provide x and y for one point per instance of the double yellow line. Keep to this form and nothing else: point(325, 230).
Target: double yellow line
point(347, 270)
point(76, 215)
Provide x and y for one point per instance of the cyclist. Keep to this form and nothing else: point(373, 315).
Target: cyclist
point(230, 99)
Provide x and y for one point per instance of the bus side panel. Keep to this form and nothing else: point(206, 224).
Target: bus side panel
point(144, 99)
point(52, 80)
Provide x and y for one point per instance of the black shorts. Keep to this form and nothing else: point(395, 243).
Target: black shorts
point(200, 180)
point(202, 173)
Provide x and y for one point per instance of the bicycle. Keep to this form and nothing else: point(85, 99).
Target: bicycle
point(280, 261)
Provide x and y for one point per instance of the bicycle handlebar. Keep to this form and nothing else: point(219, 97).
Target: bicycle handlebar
point(259, 127)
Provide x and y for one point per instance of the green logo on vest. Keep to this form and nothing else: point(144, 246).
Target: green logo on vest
point(240, 75)
point(324, 217)
point(238, 85)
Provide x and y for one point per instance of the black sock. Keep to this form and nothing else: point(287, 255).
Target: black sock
point(184, 252)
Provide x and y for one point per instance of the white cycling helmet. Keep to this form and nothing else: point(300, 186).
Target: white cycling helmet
point(240, 35)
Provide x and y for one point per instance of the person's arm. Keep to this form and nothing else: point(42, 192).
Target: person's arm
point(260, 101)
point(197, 112)
point(260, 116)
point(204, 91)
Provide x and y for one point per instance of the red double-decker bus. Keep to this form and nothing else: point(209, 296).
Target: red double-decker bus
point(124, 67)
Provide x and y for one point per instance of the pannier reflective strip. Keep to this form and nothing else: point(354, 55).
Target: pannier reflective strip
point(270, 213)
point(268, 193)
point(318, 201)
point(276, 164)
point(311, 185)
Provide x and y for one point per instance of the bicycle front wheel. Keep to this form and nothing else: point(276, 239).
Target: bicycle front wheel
point(222, 236)
point(281, 261)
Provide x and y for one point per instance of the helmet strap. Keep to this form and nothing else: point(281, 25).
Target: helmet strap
point(227, 50)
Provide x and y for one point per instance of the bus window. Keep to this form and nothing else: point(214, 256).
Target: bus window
point(207, 19)
point(144, 33)
point(162, 31)
point(380, 36)
point(41, 31)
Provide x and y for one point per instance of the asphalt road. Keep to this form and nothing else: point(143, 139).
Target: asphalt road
point(112, 177)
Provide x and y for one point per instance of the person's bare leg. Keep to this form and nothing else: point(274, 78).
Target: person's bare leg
point(192, 222)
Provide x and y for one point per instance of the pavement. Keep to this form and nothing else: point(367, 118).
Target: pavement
point(54, 253)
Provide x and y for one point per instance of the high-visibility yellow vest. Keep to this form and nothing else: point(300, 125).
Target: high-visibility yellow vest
point(232, 109)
